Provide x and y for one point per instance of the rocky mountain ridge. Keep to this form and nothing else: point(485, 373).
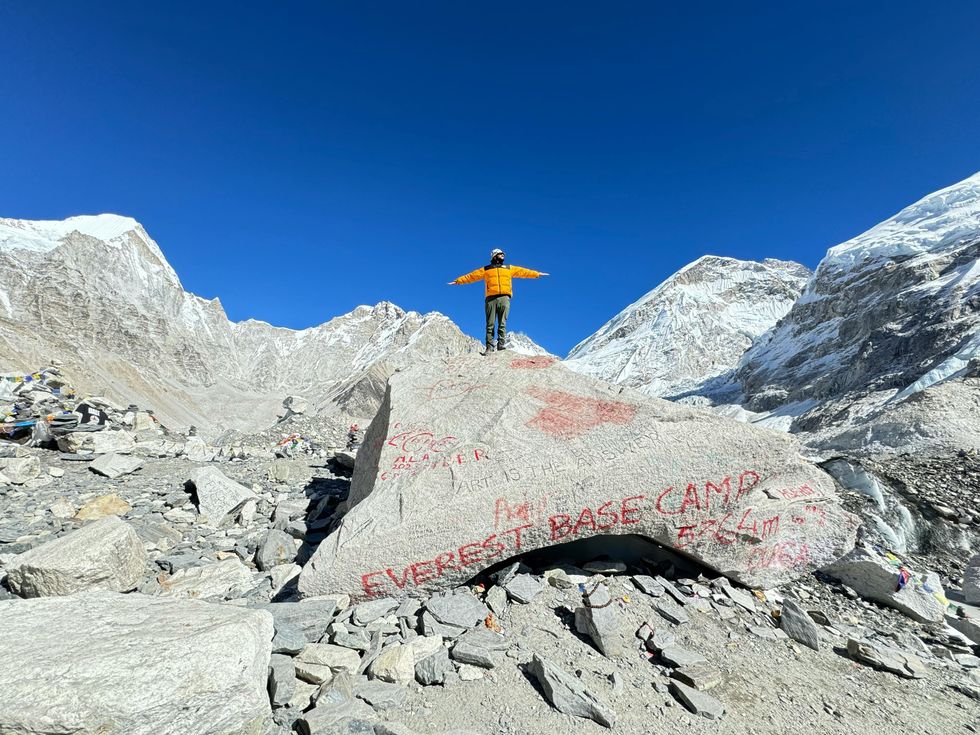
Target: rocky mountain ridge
point(887, 315)
point(692, 327)
point(96, 294)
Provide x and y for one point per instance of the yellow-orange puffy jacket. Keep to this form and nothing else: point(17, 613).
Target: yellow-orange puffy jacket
point(497, 278)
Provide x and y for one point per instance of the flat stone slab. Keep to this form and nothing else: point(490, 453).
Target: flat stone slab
point(115, 465)
point(114, 664)
point(799, 625)
point(473, 460)
point(568, 694)
point(101, 555)
point(461, 609)
point(602, 621)
point(698, 702)
point(677, 657)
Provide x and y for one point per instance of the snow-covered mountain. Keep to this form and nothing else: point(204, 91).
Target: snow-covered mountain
point(888, 315)
point(524, 345)
point(692, 327)
point(96, 294)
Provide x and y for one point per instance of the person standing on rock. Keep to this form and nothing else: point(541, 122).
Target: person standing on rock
point(497, 291)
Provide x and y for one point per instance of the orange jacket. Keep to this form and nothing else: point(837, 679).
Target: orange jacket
point(497, 278)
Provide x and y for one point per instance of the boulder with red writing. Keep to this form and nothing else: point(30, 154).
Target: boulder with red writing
point(474, 460)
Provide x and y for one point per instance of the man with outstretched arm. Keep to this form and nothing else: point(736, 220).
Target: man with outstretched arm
point(497, 291)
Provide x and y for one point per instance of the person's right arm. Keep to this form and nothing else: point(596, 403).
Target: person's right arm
point(471, 277)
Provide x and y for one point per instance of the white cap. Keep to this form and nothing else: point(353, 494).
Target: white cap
point(496, 251)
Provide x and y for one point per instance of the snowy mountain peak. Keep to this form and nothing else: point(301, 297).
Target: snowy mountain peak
point(97, 294)
point(888, 314)
point(46, 235)
point(693, 326)
point(935, 222)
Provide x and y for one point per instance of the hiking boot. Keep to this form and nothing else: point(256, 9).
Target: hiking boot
point(501, 347)
point(488, 350)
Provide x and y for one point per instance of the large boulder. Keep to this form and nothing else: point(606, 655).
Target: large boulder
point(102, 555)
point(102, 662)
point(473, 460)
point(218, 496)
point(97, 442)
point(881, 577)
point(19, 470)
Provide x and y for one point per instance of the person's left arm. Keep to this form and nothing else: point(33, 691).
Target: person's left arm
point(517, 272)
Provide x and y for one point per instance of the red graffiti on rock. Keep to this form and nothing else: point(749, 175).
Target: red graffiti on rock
point(533, 363)
point(567, 416)
point(481, 552)
point(625, 512)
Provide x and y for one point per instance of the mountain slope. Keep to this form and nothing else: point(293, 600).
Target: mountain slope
point(96, 294)
point(887, 314)
point(692, 327)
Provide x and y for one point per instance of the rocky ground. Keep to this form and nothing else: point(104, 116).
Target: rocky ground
point(515, 652)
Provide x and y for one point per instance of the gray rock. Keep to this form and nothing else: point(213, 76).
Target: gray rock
point(523, 588)
point(699, 676)
point(105, 554)
point(356, 639)
point(460, 609)
point(368, 612)
point(671, 611)
point(151, 666)
point(381, 695)
point(282, 680)
point(604, 567)
point(395, 664)
point(97, 442)
point(20, 470)
point(648, 585)
point(660, 639)
point(874, 578)
point(602, 622)
point(312, 617)
point(346, 459)
point(318, 662)
point(678, 596)
point(277, 548)
point(971, 580)
point(676, 657)
point(220, 580)
point(968, 626)
point(507, 573)
point(288, 639)
point(799, 625)
point(433, 669)
point(698, 702)
point(431, 626)
point(544, 416)
point(496, 599)
point(218, 496)
point(742, 598)
point(886, 658)
point(347, 717)
point(568, 695)
point(115, 465)
point(478, 646)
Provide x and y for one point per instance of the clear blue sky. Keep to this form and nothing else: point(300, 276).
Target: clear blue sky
point(297, 159)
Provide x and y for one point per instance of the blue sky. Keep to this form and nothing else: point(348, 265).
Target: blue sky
point(298, 159)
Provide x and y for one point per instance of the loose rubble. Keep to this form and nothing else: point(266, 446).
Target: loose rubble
point(203, 560)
